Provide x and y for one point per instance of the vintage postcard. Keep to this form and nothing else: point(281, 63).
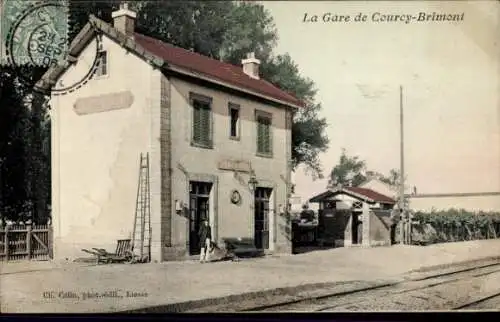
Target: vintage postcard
point(235, 156)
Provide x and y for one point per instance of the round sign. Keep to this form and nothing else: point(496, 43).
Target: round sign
point(235, 197)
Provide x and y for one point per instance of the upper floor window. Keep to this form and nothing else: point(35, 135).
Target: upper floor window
point(102, 63)
point(234, 119)
point(202, 120)
point(264, 134)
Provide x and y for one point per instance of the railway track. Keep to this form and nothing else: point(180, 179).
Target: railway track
point(477, 304)
point(422, 293)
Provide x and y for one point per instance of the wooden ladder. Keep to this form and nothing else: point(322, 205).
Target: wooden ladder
point(141, 236)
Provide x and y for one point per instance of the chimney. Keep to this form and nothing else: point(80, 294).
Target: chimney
point(251, 65)
point(124, 19)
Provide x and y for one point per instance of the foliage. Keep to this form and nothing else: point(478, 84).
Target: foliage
point(393, 179)
point(14, 124)
point(349, 170)
point(79, 11)
point(24, 164)
point(460, 224)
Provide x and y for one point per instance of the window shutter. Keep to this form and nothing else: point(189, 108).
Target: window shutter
point(260, 136)
point(263, 135)
point(267, 138)
point(202, 123)
point(205, 125)
point(196, 122)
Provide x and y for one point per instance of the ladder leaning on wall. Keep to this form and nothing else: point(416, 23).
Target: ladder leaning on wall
point(141, 235)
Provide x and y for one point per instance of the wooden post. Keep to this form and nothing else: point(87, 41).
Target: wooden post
point(402, 169)
point(28, 240)
point(366, 225)
point(6, 243)
point(50, 241)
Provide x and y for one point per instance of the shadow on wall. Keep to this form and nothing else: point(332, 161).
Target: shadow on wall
point(285, 225)
point(381, 233)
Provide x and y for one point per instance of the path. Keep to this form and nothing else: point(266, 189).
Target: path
point(29, 287)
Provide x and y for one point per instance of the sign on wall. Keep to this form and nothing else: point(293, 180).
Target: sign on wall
point(235, 165)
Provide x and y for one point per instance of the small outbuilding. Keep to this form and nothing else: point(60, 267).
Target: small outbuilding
point(354, 216)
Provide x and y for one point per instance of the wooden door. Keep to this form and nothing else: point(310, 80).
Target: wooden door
point(199, 210)
point(261, 217)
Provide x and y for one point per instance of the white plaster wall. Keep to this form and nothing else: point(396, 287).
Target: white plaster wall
point(344, 201)
point(233, 220)
point(472, 203)
point(95, 160)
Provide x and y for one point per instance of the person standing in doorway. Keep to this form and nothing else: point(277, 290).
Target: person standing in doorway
point(205, 234)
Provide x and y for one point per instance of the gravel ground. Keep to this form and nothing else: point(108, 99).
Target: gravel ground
point(24, 285)
point(440, 297)
point(492, 304)
point(439, 290)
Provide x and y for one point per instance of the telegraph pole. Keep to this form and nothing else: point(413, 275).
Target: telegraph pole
point(402, 168)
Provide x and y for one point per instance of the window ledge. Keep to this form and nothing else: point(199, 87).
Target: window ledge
point(202, 146)
point(234, 138)
point(264, 155)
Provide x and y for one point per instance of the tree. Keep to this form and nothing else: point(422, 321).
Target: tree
point(349, 171)
point(79, 11)
point(308, 129)
point(14, 146)
point(393, 179)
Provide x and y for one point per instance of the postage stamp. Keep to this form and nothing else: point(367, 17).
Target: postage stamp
point(34, 33)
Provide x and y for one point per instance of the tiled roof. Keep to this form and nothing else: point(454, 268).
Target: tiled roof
point(373, 195)
point(356, 192)
point(212, 68)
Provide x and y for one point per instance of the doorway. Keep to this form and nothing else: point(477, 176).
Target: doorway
point(199, 210)
point(261, 217)
point(356, 229)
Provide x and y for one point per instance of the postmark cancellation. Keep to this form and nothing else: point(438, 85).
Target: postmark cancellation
point(33, 33)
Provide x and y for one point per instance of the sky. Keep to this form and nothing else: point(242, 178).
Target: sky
point(449, 73)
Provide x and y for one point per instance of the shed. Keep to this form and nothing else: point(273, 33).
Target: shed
point(354, 216)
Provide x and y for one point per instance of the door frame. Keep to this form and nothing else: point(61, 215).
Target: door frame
point(213, 203)
point(194, 249)
point(355, 230)
point(266, 217)
point(272, 219)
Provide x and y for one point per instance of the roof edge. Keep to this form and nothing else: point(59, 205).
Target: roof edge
point(352, 194)
point(187, 72)
point(84, 37)
point(88, 33)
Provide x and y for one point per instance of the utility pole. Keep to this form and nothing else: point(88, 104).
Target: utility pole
point(401, 169)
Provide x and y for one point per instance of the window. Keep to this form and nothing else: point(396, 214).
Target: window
point(264, 139)
point(202, 121)
point(234, 115)
point(357, 205)
point(102, 63)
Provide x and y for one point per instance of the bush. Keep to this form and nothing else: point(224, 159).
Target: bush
point(459, 225)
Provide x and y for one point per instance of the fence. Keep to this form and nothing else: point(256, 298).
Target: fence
point(25, 242)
